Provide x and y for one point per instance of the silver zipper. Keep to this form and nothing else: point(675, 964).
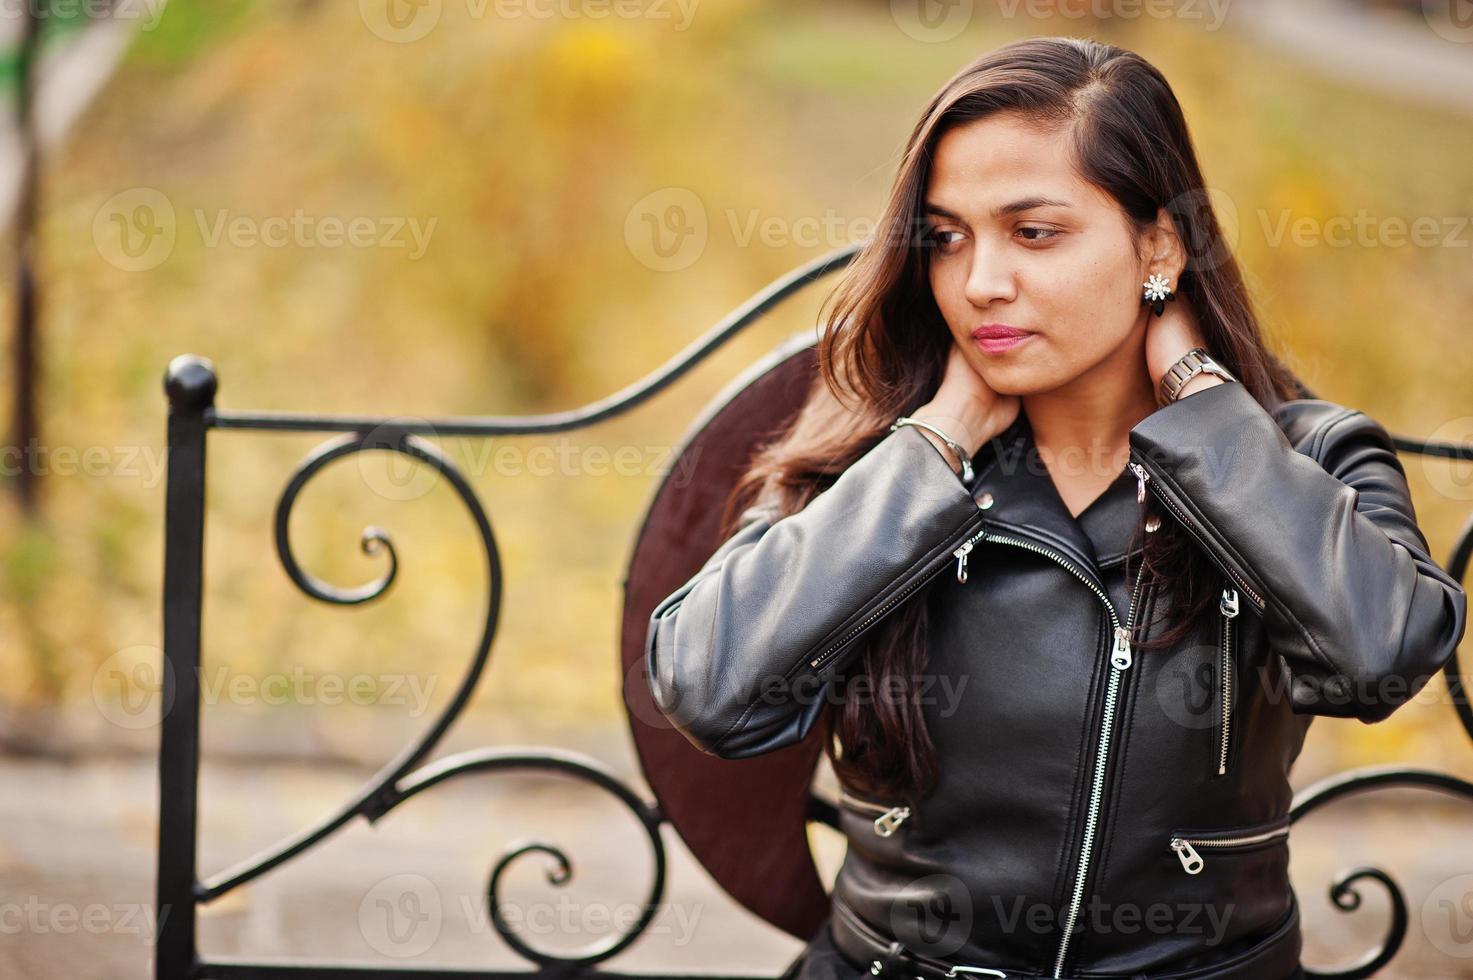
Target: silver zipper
point(889, 819)
point(1142, 478)
point(1120, 659)
point(961, 555)
point(880, 610)
point(1228, 606)
point(1192, 861)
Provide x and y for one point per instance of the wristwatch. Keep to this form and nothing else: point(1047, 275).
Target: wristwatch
point(1194, 362)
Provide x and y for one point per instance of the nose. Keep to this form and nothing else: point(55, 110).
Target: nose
point(989, 279)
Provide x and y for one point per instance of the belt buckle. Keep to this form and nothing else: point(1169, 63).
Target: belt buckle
point(880, 967)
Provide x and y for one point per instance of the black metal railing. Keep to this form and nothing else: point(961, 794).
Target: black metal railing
point(191, 384)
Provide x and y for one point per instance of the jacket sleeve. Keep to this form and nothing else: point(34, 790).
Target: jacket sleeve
point(730, 655)
point(1323, 542)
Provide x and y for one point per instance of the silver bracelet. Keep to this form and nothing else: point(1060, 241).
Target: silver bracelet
point(951, 444)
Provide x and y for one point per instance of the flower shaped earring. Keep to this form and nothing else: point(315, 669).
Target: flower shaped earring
point(1158, 291)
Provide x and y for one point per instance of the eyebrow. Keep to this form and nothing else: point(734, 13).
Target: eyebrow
point(1014, 207)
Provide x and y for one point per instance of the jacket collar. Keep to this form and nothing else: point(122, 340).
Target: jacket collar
point(1025, 502)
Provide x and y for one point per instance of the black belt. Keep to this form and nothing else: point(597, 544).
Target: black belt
point(886, 957)
point(1277, 955)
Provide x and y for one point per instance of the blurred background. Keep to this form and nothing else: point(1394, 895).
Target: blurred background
point(457, 207)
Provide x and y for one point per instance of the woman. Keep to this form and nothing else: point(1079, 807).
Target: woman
point(1064, 619)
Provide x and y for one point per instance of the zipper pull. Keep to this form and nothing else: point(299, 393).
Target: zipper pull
point(1141, 476)
point(892, 818)
point(1190, 859)
point(1229, 602)
point(961, 561)
point(1153, 521)
point(1120, 657)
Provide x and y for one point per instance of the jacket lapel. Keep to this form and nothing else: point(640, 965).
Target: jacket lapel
point(1026, 504)
point(1111, 520)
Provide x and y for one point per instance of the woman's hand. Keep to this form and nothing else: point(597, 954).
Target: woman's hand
point(1168, 337)
point(965, 408)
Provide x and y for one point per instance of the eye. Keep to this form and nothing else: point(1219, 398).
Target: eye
point(1046, 233)
point(938, 237)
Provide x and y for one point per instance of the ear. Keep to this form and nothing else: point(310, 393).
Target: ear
point(1162, 250)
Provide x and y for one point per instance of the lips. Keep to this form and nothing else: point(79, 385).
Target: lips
point(998, 331)
point(994, 338)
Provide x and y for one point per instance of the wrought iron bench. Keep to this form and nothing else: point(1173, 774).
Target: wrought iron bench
point(746, 822)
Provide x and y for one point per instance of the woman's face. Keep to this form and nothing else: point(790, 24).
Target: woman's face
point(1017, 239)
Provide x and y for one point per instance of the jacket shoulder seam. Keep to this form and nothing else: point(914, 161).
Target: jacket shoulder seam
point(1321, 437)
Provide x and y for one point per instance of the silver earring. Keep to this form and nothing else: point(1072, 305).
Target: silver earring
point(1158, 291)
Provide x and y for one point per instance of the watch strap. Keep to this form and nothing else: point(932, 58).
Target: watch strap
point(1194, 362)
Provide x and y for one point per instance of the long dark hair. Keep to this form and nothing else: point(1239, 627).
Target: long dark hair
point(884, 346)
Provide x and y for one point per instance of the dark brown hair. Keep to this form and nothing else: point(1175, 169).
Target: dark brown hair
point(884, 346)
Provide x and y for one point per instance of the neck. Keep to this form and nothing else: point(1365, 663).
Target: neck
point(1082, 428)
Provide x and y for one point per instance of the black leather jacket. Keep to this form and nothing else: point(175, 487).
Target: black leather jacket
point(1100, 812)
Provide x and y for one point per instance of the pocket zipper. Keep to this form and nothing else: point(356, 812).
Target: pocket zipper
point(889, 819)
point(1226, 672)
point(1192, 862)
point(819, 661)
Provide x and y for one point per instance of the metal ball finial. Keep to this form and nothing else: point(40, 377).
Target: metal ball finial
point(190, 382)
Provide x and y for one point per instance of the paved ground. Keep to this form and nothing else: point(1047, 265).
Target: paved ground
point(76, 874)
